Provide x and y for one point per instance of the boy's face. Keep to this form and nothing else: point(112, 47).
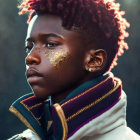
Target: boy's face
point(55, 58)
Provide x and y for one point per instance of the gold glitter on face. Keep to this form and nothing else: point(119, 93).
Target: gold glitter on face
point(56, 57)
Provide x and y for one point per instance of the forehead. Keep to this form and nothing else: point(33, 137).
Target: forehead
point(45, 24)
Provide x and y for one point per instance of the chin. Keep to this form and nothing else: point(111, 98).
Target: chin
point(40, 92)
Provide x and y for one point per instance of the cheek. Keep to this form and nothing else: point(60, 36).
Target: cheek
point(56, 58)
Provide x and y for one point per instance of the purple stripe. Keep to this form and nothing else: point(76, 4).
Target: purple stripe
point(31, 101)
point(93, 118)
point(89, 113)
point(37, 111)
point(87, 98)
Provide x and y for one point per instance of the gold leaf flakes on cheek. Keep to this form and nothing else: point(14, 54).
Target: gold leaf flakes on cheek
point(56, 57)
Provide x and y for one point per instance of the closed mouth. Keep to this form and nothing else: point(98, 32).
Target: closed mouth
point(33, 76)
point(33, 73)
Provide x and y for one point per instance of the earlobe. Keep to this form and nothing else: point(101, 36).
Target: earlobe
point(95, 60)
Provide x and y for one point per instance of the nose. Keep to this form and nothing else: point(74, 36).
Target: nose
point(33, 59)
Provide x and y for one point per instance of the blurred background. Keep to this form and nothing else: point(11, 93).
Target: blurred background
point(13, 82)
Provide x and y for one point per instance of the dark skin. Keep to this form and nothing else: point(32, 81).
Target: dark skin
point(58, 60)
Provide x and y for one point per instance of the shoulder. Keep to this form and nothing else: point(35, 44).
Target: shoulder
point(27, 134)
point(121, 133)
point(130, 134)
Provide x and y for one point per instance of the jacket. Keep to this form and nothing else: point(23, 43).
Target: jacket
point(94, 111)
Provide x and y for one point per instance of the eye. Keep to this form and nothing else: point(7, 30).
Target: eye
point(51, 44)
point(28, 47)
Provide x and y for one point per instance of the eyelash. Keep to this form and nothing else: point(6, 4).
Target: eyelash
point(51, 44)
point(48, 45)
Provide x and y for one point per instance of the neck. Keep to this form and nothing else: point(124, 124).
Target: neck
point(63, 94)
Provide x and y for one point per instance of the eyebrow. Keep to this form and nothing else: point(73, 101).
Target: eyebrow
point(46, 36)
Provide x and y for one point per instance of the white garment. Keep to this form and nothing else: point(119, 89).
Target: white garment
point(111, 125)
point(28, 134)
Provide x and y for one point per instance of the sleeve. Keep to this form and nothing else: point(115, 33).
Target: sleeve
point(25, 135)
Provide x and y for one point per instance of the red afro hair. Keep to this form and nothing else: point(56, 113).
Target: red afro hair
point(103, 15)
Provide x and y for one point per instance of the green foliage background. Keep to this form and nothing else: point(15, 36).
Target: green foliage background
point(12, 80)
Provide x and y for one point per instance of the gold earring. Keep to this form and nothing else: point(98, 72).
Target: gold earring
point(88, 69)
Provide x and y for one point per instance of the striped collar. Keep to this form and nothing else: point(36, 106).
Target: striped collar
point(63, 120)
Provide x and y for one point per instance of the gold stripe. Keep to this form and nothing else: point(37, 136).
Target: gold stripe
point(97, 101)
point(85, 91)
point(36, 105)
point(37, 119)
point(32, 107)
point(63, 120)
point(18, 114)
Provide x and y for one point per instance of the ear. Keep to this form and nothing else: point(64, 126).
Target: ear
point(95, 60)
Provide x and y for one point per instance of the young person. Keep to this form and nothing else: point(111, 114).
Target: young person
point(71, 47)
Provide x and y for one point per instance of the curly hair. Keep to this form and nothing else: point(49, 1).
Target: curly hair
point(101, 17)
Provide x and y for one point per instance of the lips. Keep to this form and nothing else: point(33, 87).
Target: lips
point(33, 76)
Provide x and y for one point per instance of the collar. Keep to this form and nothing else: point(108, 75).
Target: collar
point(64, 120)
